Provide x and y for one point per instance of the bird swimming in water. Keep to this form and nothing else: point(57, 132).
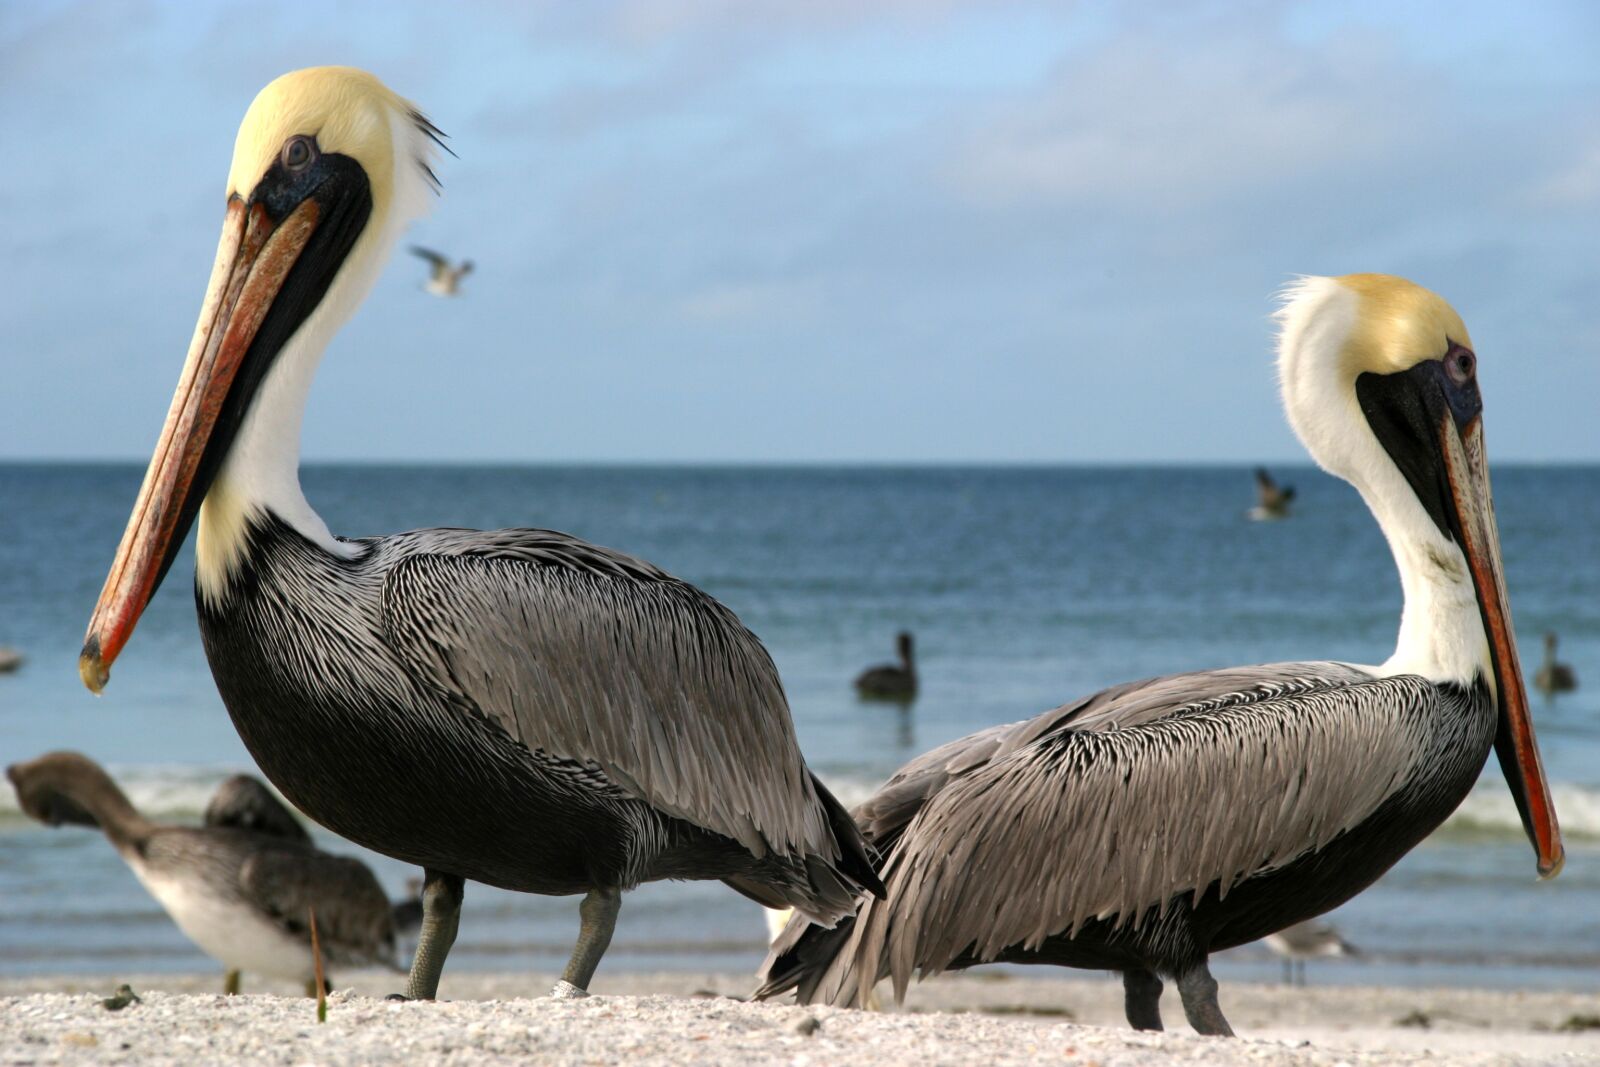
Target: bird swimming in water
point(891, 681)
point(444, 279)
point(1553, 676)
point(243, 897)
point(1312, 939)
point(1272, 500)
point(1146, 826)
point(10, 660)
point(514, 707)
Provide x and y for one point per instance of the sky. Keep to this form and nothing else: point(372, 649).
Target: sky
point(822, 232)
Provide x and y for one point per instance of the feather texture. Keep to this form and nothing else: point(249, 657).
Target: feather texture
point(1114, 810)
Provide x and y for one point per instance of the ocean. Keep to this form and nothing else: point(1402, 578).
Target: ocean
point(1025, 587)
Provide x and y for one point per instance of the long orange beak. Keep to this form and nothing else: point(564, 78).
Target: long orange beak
point(254, 258)
point(1467, 471)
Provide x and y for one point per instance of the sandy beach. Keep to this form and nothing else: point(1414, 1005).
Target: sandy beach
point(696, 1018)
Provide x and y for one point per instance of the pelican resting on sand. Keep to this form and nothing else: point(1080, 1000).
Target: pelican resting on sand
point(444, 277)
point(1148, 825)
point(514, 707)
point(891, 681)
point(1312, 939)
point(1272, 499)
point(243, 897)
point(1553, 676)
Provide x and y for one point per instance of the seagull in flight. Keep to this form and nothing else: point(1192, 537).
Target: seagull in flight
point(445, 278)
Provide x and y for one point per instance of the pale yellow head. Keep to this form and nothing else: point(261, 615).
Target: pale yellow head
point(349, 112)
point(1398, 324)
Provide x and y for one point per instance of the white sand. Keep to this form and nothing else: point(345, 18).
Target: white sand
point(646, 1019)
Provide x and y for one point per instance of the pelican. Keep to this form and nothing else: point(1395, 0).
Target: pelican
point(1553, 676)
point(444, 277)
point(1272, 500)
point(1148, 825)
point(891, 681)
point(1311, 939)
point(243, 897)
point(243, 803)
point(514, 707)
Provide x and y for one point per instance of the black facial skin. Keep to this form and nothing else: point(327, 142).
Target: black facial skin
point(1405, 410)
point(344, 201)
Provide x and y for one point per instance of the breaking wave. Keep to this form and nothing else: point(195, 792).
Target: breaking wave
point(180, 793)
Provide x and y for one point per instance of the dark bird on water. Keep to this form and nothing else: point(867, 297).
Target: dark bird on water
point(1312, 939)
point(444, 277)
point(1272, 500)
point(891, 681)
point(1151, 824)
point(243, 897)
point(1553, 676)
point(513, 707)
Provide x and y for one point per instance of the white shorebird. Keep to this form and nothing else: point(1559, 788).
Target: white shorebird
point(444, 279)
point(1312, 939)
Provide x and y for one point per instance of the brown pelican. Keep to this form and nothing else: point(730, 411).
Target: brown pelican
point(445, 277)
point(1311, 939)
point(1553, 676)
point(1143, 827)
point(243, 803)
point(1272, 500)
point(891, 681)
point(514, 707)
point(242, 897)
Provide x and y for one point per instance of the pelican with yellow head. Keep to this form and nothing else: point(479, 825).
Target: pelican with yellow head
point(1141, 828)
point(515, 707)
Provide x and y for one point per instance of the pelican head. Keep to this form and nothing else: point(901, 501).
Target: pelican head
point(328, 167)
point(1380, 382)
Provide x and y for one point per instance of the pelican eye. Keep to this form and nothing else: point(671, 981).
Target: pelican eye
point(298, 153)
point(1460, 364)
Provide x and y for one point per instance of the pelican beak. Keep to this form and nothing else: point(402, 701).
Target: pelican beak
point(254, 259)
point(1467, 480)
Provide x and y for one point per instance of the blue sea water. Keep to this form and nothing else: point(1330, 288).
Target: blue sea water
point(1025, 587)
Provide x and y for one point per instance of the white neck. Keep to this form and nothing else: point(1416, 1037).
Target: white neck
point(262, 471)
point(1441, 631)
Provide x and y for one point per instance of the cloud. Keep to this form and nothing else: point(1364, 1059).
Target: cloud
point(1168, 126)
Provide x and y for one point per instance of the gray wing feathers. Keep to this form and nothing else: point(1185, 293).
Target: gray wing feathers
point(898, 800)
point(354, 918)
point(1118, 810)
point(594, 656)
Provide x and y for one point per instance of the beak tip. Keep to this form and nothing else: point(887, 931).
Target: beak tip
point(91, 669)
point(1552, 867)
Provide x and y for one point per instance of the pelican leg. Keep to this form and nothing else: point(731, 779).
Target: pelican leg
point(230, 983)
point(1141, 998)
point(441, 915)
point(598, 917)
point(1199, 992)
